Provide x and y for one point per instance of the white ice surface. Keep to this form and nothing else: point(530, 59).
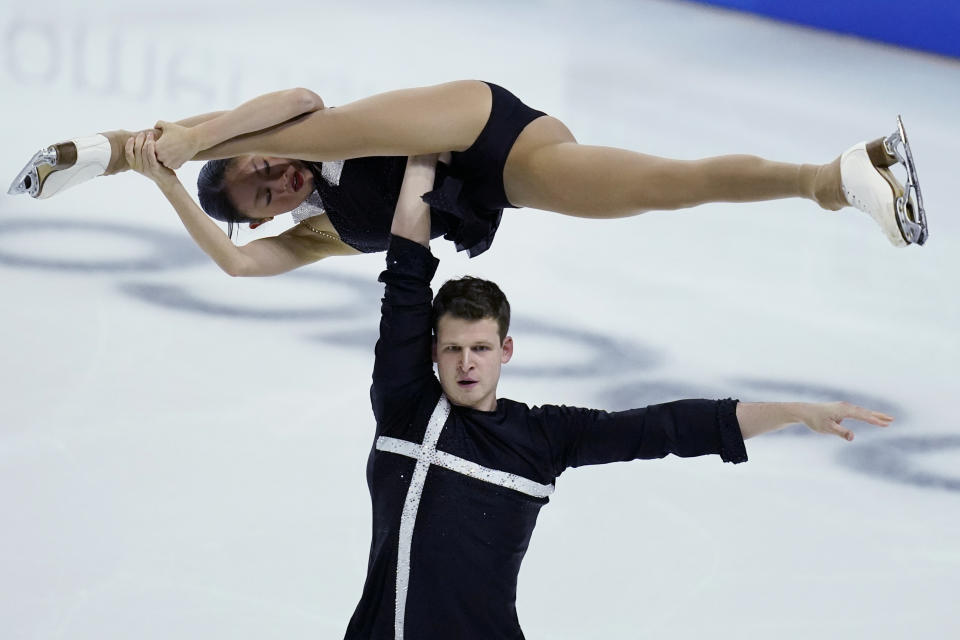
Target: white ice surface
point(182, 454)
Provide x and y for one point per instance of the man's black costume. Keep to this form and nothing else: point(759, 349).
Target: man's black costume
point(456, 491)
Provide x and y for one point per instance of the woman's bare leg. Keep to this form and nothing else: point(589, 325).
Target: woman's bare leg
point(444, 117)
point(384, 124)
point(548, 170)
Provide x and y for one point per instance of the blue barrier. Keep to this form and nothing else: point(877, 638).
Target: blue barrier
point(928, 25)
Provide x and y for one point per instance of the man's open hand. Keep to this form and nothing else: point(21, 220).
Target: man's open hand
point(827, 417)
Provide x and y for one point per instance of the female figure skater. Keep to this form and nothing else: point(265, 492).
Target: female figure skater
point(341, 169)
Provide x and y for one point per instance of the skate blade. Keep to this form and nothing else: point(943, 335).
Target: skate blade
point(31, 177)
point(910, 213)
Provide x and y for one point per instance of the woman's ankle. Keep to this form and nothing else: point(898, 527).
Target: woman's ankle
point(822, 184)
point(118, 159)
point(118, 140)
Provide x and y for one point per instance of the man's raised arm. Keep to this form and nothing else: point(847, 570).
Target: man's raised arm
point(411, 219)
point(404, 363)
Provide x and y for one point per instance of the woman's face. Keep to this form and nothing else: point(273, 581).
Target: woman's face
point(262, 186)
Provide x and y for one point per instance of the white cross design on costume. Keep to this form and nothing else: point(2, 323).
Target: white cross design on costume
point(426, 454)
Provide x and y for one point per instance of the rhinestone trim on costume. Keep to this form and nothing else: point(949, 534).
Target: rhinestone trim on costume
point(325, 234)
point(331, 171)
point(410, 506)
point(313, 204)
point(426, 454)
point(468, 468)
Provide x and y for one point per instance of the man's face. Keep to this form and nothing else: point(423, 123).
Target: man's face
point(469, 354)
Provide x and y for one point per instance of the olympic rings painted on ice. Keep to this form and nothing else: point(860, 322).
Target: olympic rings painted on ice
point(168, 250)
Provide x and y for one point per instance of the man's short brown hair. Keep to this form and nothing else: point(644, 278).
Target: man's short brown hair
point(470, 298)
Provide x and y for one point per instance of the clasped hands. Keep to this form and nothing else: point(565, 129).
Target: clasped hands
point(157, 155)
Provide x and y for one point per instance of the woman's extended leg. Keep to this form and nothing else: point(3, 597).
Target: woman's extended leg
point(548, 170)
point(444, 117)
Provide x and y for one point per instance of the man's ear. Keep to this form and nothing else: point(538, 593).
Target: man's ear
point(254, 225)
point(507, 350)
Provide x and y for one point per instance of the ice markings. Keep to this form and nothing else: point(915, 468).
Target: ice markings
point(352, 299)
point(804, 392)
point(578, 352)
point(901, 460)
point(599, 354)
point(165, 250)
point(334, 297)
point(640, 393)
point(331, 296)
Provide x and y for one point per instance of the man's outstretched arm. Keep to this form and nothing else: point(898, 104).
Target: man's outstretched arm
point(756, 418)
point(684, 428)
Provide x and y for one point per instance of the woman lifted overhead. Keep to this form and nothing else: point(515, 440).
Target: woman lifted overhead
point(339, 171)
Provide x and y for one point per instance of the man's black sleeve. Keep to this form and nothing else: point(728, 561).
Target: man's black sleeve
point(404, 363)
point(685, 428)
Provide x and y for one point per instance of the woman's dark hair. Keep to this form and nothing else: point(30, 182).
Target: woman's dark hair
point(472, 298)
point(212, 192)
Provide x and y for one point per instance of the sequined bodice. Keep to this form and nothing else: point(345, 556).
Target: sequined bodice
point(359, 197)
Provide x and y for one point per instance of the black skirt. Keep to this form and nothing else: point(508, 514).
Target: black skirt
point(469, 194)
point(467, 200)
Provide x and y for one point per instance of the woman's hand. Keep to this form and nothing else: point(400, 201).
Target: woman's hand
point(177, 144)
point(141, 152)
point(826, 417)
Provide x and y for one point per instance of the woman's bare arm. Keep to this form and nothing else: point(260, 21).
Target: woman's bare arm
point(296, 247)
point(290, 250)
point(181, 142)
point(267, 256)
point(204, 231)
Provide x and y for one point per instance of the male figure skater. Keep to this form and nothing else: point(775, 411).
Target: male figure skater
point(458, 476)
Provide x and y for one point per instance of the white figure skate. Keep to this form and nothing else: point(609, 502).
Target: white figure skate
point(870, 186)
point(62, 166)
